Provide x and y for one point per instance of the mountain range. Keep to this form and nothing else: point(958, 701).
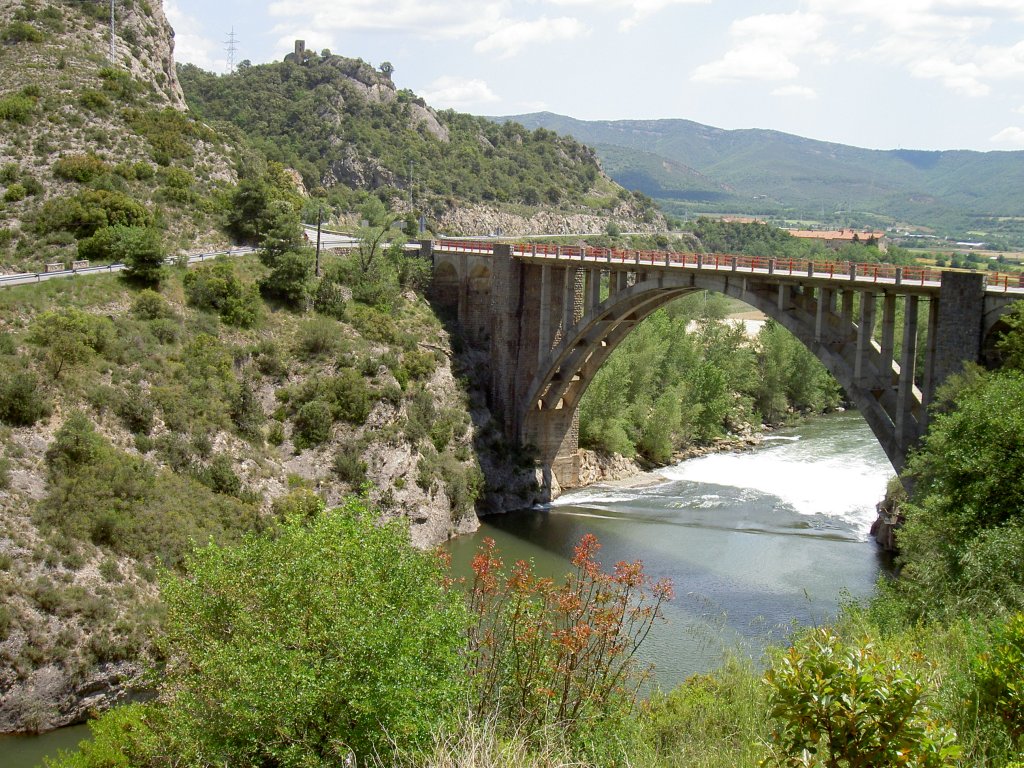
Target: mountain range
point(693, 168)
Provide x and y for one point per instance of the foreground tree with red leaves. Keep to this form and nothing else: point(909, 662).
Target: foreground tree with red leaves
point(543, 653)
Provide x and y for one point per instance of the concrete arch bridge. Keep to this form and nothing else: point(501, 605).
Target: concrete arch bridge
point(538, 311)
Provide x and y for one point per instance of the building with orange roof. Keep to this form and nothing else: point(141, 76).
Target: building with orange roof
point(836, 238)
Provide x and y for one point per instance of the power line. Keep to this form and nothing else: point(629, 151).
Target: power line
point(231, 48)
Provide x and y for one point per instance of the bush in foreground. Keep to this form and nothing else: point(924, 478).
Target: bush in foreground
point(335, 635)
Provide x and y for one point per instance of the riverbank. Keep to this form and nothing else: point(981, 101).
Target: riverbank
point(619, 471)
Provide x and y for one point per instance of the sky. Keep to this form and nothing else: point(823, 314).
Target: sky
point(882, 74)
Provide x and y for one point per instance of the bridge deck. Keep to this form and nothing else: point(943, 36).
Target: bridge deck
point(910, 280)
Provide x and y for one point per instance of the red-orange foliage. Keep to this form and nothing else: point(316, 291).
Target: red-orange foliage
point(543, 653)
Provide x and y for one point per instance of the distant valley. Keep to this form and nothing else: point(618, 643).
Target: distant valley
point(691, 169)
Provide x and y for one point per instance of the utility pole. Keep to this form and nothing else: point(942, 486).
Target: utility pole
point(232, 48)
point(112, 54)
point(319, 222)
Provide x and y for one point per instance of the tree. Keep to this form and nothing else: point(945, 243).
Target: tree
point(333, 635)
point(141, 249)
point(964, 528)
point(68, 338)
point(845, 705)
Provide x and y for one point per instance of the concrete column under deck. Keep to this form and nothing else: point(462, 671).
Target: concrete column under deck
point(865, 330)
point(593, 289)
point(906, 433)
point(544, 337)
point(959, 326)
point(569, 299)
point(825, 307)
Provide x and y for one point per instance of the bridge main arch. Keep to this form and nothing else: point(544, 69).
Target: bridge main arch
point(551, 331)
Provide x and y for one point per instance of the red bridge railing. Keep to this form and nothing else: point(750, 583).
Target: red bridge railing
point(857, 271)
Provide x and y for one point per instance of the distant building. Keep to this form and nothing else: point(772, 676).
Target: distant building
point(836, 238)
point(299, 56)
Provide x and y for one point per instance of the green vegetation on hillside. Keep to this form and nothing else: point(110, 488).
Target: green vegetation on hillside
point(173, 414)
point(88, 145)
point(340, 122)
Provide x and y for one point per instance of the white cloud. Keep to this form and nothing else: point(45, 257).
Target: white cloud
point(796, 91)
point(518, 36)
point(190, 44)
point(942, 40)
point(458, 93)
point(485, 22)
point(1012, 136)
point(639, 9)
point(766, 47)
point(425, 18)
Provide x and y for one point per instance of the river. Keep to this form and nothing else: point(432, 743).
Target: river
point(754, 541)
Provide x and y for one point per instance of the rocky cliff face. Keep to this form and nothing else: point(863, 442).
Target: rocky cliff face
point(123, 118)
point(485, 220)
point(144, 44)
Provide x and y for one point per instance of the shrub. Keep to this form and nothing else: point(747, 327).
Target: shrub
point(15, 192)
point(69, 338)
point(299, 505)
point(312, 424)
point(216, 287)
point(17, 108)
point(541, 654)
point(22, 32)
point(176, 178)
point(5, 483)
point(462, 483)
point(117, 500)
point(268, 360)
point(150, 305)
point(329, 299)
point(368, 650)
point(84, 213)
point(289, 278)
point(349, 466)
point(95, 100)
point(349, 395)
point(120, 83)
point(135, 410)
point(999, 672)
point(220, 476)
point(80, 168)
point(22, 399)
point(847, 703)
point(316, 337)
point(245, 410)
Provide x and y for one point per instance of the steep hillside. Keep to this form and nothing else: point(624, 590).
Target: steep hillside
point(83, 138)
point(346, 126)
point(136, 424)
point(768, 172)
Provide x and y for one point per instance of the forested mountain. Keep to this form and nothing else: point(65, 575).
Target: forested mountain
point(697, 167)
point(345, 126)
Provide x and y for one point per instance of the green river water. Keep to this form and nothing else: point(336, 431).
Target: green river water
point(754, 541)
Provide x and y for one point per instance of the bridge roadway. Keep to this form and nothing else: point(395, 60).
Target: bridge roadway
point(549, 325)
